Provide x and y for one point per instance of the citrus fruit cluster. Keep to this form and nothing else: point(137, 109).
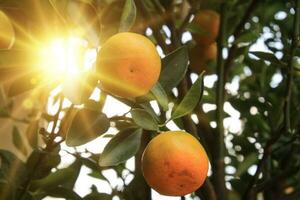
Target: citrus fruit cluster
point(205, 50)
point(174, 163)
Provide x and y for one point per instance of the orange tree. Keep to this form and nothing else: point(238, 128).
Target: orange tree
point(253, 72)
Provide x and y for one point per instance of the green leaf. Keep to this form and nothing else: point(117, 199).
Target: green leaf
point(62, 193)
point(8, 159)
point(120, 125)
point(145, 98)
point(13, 170)
point(247, 37)
point(249, 160)
point(160, 95)
point(18, 141)
point(137, 184)
point(86, 126)
point(66, 122)
point(93, 165)
point(232, 195)
point(128, 16)
point(95, 105)
point(194, 28)
point(122, 147)
point(4, 112)
point(34, 159)
point(32, 133)
point(60, 177)
point(97, 174)
point(174, 67)
point(191, 99)
point(97, 196)
point(268, 57)
point(143, 119)
point(147, 107)
point(48, 160)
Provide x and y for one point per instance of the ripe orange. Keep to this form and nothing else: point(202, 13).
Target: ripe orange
point(128, 65)
point(7, 33)
point(208, 21)
point(174, 163)
point(200, 55)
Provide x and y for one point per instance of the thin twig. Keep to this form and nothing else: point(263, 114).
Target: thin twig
point(290, 73)
point(207, 191)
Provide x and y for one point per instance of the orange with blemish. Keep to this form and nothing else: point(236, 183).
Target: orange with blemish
point(128, 65)
point(174, 163)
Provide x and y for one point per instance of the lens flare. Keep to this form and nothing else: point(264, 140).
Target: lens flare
point(66, 58)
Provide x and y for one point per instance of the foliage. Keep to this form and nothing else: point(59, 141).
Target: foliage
point(259, 61)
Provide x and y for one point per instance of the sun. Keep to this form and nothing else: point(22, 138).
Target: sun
point(65, 58)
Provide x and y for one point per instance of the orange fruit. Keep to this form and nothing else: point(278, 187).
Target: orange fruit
point(128, 65)
point(200, 55)
point(174, 163)
point(208, 21)
point(7, 33)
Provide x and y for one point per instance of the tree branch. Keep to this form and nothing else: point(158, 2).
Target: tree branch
point(218, 158)
point(144, 191)
point(295, 38)
point(207, 191)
